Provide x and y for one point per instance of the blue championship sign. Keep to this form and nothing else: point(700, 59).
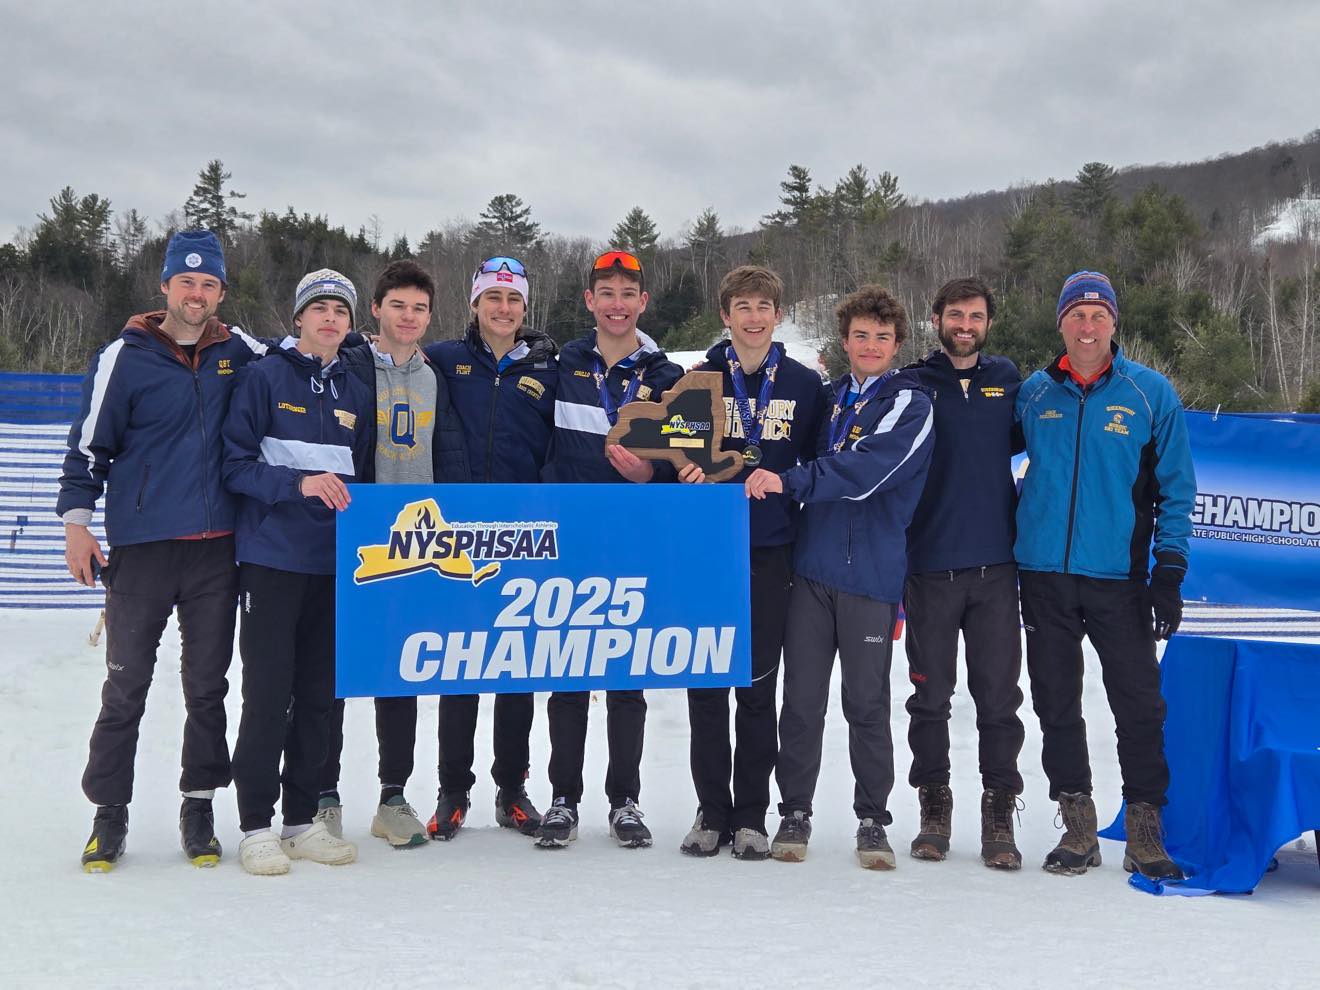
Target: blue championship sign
point(465, 589)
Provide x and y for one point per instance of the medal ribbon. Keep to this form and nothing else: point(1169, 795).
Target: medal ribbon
point(841, 419)
point(752, 427)
point(607, 403)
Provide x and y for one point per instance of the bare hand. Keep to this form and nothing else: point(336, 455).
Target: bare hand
point(80, 549)
point(328, 488)
point(762, 482)
point(629, 464)
point(692, 474)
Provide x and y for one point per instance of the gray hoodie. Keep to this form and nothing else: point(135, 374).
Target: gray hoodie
point(405, 420)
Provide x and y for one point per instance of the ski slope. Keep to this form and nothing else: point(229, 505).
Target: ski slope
point(489, 910)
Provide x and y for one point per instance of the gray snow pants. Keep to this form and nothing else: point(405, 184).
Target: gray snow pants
point(821, 622)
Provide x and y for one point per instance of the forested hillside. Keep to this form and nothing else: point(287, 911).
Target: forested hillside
point(1229, 314)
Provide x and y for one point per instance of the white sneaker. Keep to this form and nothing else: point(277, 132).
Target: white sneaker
point(318, 845)
point(262, 856)
point(398, 824)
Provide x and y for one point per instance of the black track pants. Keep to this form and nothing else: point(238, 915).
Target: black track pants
point(145, 582)
point(982, 603)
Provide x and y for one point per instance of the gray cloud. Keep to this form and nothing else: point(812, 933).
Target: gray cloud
point(419, 113)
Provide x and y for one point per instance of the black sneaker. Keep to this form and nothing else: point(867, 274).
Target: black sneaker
point(627, 827)
point(790, 842)
point(108, 839)
point(450, 814)
point(197, 832)
point(558, 825)
point(873, 849)
point(514, 809)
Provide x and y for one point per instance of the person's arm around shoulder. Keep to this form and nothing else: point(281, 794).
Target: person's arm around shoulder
point(896, 449)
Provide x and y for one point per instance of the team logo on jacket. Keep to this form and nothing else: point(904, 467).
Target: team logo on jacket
point(462, 369)
point(531, 386)
point(1050, 414)
point(422, 540)
point(1116, 425)
point(224, 367)
point(346, 419)
point(992, 392)
point(644, 393)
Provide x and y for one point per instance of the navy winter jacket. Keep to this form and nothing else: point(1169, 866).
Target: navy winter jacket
point(1110, 467)
point(965, 516)
point(577, 448)
point(291, 418)
point(858, 502)
point(506, 411)
point(449, 456)
point(148, 433)
point(797, 405)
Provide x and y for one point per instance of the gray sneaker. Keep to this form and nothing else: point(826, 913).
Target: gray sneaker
point(873, 849)
point(701, 840)
point(748, 843)
point(397, 823)
point(331, 813)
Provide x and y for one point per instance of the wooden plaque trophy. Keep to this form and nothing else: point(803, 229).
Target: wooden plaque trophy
point(684, 427)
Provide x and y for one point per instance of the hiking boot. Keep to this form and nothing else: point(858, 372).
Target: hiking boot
point(398, 824)
point(702, 839)
point(873, 849)
point(1145, 852)
point(514, 809)
point(319, 846)
point(750, 843)
point(450, 814)
point(330, 813)
point(197, 832)
point(627, 827)
point(790, 843)
point(108, 840)
point(558, 825)
point(262, 855)
point(1079, 848)
point(998, 850)
point(932, 841)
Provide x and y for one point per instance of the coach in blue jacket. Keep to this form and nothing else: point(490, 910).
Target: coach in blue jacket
point(1110, 471)
point(148, 436)
point(849, 563)
point(962, 577)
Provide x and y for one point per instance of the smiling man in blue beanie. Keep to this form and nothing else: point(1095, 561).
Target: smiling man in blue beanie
point(1110, 471)
point(148, 437)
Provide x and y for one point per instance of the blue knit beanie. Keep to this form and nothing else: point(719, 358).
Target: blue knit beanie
point(194, 251)
point(1086, 288)
point(325, 284)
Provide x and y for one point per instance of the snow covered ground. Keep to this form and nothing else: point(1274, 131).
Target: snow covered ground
point(490, 910)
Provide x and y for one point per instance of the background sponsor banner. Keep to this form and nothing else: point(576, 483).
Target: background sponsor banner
point(465, 589)
point(1256, 520)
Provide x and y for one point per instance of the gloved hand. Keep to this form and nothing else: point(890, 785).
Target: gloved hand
point(1166, 598)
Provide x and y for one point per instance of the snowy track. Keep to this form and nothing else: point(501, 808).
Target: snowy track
point(489, 910)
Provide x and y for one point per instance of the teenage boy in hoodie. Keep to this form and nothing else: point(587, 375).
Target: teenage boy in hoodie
point(298, 431)
point(599, 372)
point(773, 409)
point(148, 437)
point(416, 440)
point(962, 577)
point(859, 494)
point(503, 377)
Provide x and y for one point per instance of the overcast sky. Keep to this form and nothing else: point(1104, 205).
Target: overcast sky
point(422, 112)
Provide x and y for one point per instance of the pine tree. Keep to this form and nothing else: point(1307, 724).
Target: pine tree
point(72, 242)
point(796, 196)
point(860, 199)
point(209, 206)
point(1094, 191)
point(507, 218)
point(637, 234)
point(131, 234)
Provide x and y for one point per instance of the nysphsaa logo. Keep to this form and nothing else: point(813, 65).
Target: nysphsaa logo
point(422, 540)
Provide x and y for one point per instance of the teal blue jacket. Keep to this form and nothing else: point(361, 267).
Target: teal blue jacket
point(1110, 471)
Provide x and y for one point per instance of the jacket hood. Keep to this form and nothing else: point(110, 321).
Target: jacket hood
point(540, 346)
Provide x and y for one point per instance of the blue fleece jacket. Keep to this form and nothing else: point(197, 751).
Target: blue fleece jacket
point(965, 516)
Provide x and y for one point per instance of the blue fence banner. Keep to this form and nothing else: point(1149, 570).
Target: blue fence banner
point(466, 589)
point(1256, 520)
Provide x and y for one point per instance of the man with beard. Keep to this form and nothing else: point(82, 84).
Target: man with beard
point(148, 437)
point(961, 577)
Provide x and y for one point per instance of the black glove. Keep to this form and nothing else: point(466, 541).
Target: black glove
point(1166, 597)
